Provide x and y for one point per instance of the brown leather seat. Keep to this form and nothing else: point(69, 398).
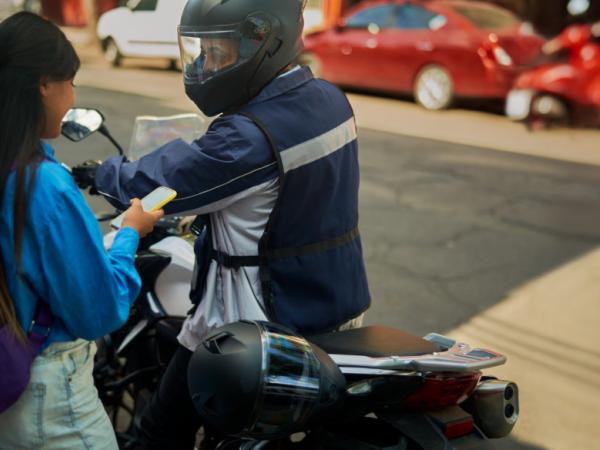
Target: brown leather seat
point(374, 341)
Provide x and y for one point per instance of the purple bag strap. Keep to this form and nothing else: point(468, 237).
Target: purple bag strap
point(40, 326)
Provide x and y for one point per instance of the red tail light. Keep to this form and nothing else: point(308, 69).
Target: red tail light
point(441, 390)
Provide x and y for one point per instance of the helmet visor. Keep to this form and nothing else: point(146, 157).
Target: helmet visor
point(208, 52)
point(291, 382)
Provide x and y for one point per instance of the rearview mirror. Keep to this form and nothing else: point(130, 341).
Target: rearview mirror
point(79, 123)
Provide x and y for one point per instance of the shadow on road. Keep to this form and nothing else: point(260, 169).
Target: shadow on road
point(513, 444)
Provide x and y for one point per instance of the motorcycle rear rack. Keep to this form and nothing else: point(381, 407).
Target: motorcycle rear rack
point(457, 357)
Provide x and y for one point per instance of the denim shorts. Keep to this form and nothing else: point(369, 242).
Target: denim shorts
point(60, 408)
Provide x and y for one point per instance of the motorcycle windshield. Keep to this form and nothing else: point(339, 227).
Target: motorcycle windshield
point(291, 383)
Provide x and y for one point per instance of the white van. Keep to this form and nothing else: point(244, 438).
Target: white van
point(148, 29)
point(142, 29)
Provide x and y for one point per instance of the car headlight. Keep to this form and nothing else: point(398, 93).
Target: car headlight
point(502, 57)
point(518, 103)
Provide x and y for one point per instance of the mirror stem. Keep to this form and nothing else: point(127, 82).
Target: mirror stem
point(104, 131)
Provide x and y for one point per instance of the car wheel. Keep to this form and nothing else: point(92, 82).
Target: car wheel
point(313, 61)
point(550, 110)
point(433, 88)
point(112, 53)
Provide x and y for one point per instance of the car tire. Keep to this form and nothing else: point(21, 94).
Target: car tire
point(112, 53)
point(549, 110)
point(433, 88)
point(313, 61)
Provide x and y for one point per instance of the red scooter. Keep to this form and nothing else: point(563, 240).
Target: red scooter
point(564, 89)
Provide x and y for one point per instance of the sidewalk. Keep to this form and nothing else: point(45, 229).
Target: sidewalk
point(476, 129)
point(549, 329)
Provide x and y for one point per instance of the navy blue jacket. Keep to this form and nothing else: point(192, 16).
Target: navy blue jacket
point(313, 275)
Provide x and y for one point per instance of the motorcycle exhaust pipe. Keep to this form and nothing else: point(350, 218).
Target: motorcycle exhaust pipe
point(494, 406)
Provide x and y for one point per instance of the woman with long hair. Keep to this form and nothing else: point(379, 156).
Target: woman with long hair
point(51, 248)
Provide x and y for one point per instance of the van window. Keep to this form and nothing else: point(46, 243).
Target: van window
point(142, 5)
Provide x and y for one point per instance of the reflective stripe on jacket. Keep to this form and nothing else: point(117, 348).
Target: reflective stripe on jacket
point(231, 173)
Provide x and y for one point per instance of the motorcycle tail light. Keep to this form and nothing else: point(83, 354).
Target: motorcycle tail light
point(441, 390)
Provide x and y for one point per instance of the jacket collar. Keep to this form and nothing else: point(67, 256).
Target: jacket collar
point(284, 83)
point(48, 151)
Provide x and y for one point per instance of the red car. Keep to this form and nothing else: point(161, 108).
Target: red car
point(438, 50)
point(564, 91)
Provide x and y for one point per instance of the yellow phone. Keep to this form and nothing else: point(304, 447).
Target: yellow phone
point(156, 199)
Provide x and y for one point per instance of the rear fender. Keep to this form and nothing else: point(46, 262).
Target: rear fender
point(423, 430)
point(560, 80)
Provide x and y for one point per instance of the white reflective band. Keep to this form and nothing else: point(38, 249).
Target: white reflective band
point(319, 147)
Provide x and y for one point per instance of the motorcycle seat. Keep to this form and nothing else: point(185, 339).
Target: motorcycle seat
point(375, 341)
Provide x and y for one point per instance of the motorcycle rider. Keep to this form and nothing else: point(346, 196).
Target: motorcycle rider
point(276, 178)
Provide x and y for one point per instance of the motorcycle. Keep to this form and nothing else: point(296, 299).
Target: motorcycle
point(263, 386)
point(130, 361)
point(370, 388)
point(565, 88)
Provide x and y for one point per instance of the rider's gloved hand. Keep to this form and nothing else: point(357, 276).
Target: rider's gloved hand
point(85, 174)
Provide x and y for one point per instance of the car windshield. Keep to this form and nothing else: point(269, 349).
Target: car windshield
point(487, 18)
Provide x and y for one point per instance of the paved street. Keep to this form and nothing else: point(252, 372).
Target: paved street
point(449, 230)
point(497, 247)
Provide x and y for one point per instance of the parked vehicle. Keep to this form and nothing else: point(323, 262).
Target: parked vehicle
point(142, 29)
point(565, 89)
point(148, 29)
point(438, 50)
point(258, 383)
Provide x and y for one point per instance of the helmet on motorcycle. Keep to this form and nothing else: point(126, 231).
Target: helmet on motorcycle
point(230, 49)
point(261, 380)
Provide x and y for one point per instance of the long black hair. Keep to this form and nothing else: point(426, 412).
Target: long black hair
point(32, 50)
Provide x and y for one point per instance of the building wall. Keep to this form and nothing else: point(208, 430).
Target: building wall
point(549, 16)
point(74, 12)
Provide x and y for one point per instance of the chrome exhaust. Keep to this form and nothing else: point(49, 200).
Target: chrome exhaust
point(494, 406)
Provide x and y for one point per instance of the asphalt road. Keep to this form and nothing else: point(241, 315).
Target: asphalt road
point(448, 230)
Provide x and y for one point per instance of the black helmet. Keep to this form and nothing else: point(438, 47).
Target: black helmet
point(261, 380)
point(230, 49)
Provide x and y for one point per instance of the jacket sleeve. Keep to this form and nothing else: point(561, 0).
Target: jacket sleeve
point(231, 157)
point(90, 289)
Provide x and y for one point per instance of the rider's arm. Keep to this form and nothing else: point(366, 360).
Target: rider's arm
point(233, 156)
point(89, 289)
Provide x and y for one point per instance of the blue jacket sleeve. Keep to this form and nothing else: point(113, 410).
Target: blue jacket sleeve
point(232, 156)
point(90, 289)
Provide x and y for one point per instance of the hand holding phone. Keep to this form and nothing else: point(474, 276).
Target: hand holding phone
point(150, 203)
